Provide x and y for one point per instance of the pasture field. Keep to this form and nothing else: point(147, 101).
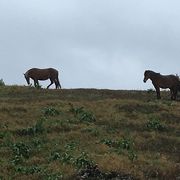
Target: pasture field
point(88, 134)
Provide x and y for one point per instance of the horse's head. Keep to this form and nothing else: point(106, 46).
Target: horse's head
point(27, 78)
point(147, 75)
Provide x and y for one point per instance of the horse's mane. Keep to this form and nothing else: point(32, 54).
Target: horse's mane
point(152, 72)
point(159, 74)
point(26, 73)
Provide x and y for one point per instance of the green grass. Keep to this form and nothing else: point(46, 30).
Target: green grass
point(54, 134)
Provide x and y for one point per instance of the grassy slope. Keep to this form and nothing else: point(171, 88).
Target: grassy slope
point(119, 139)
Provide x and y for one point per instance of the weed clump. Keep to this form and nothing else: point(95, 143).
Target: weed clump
point(28, 170)
point(21, 151)
point(155, 124)
point(50, 111)
point(42, 172)
point(83, 160)
point(67, 156)
point(82, 114)
point(124, 145)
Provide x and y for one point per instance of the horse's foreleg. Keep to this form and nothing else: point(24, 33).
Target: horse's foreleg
point(50, 84)
point(36, 83)
point(158, 92)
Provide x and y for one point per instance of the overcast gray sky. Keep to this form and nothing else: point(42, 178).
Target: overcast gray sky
point(93, 43)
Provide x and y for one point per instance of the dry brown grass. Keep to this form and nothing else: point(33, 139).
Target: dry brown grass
point(56, 141)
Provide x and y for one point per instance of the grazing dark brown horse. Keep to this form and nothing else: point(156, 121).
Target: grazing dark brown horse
point(43, 74)
point(163, 81)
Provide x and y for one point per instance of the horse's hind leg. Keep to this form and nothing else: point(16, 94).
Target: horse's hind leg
point(36, 83)
point(57, 83)
point(173, 93)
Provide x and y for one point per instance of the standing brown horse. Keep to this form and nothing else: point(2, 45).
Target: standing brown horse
point(43, 74)
point(161, 81)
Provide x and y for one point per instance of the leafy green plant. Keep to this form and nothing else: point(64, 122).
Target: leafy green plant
point(83, 160)
point(50, 111)
point(21, 149)
point(28, 170)
point(107, 142)
point(17, 159)
point(65, 157)
point(81, 114)
point(87, 117)
point(123, 145)
point(154, 124)
point(42, 172)
point(55, 156)
point(37, 144)
point(71, 146)
point(132, 155)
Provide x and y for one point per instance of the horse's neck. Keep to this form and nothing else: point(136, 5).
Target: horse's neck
point(27, 74)
point(155, 76)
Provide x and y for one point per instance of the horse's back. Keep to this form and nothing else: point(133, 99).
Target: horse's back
point(167, 81)
point(52, 70)
point(42, 73)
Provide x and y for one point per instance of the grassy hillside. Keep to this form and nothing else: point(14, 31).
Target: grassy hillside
point(88, 133)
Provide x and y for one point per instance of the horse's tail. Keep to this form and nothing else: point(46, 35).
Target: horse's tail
point(178, 87)
point(58, 83)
